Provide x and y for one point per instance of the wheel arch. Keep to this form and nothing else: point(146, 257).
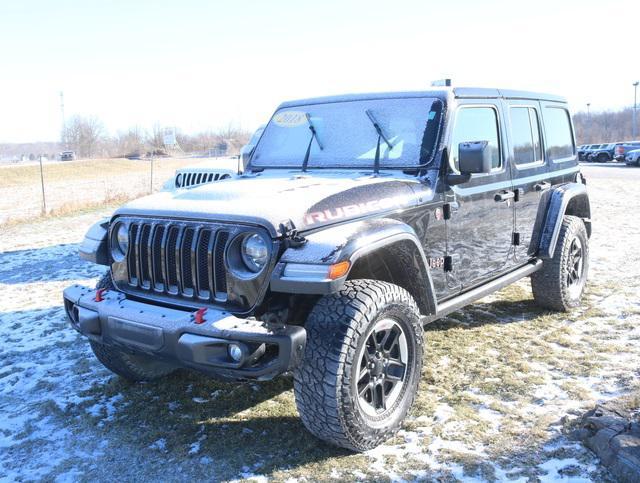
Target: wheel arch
point(382, 249)
point(568, 199)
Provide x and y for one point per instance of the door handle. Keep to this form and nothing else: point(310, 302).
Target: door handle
point(504, 195)
point(542, 186)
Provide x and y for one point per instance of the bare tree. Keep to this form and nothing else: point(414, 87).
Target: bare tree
point(603, 126)
point(83, 134)
point(131, 141)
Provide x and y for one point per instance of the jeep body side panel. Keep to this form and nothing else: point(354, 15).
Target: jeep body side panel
point(480, 229)
point(94, 247)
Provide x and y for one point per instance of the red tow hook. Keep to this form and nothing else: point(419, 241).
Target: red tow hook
point(99, 294)
point(199, 315)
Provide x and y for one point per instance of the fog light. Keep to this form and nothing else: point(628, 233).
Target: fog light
point(235, 352)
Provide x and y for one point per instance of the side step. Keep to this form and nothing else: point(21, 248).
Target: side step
point(472, 295)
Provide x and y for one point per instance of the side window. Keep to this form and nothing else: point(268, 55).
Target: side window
point(525, 133)
point(476, 124)
point(558, 135)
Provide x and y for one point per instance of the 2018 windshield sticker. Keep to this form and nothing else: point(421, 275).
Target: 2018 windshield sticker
point(349, 211)
point(290, 118)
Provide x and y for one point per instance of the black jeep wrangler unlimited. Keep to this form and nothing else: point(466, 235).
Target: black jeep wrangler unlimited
point(359, 219)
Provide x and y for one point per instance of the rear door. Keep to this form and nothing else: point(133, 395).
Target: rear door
point(559, 143)
point(481, 224)
point(529, 170)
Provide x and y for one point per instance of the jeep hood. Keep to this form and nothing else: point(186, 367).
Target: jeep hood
point(272, 198)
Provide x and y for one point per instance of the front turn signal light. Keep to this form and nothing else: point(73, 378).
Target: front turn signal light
point(338, 270)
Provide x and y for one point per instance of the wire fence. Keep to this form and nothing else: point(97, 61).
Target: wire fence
point(28, 192)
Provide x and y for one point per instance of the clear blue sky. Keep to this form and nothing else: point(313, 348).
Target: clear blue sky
point(201, 64)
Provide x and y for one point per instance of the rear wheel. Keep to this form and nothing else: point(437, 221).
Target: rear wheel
point(603, 158)
point(361, 366)
point(560, 283)
point(131, 366)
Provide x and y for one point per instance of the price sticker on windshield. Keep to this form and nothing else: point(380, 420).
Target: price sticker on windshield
point(290, 118)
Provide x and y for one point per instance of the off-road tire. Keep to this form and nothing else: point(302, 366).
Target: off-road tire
point(337, 330)
point(549, 284)
point(603, 158)
point(134, 367)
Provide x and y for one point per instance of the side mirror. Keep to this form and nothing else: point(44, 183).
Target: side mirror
point(474, 157)
point(245, 155)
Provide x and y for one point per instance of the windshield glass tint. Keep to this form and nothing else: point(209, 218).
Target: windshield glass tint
point(347, 134)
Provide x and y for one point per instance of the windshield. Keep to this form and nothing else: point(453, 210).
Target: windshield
point(346, 137)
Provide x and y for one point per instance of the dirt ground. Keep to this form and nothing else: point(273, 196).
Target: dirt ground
point(502, 385)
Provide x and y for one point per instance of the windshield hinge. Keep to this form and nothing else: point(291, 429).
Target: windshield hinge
point(448, 263)
point(515, 240)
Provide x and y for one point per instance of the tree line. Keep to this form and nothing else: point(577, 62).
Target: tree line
point(606, 126)
point(87, 136)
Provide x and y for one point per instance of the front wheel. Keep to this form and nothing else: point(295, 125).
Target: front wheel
point(362, 362)
point(559, 284)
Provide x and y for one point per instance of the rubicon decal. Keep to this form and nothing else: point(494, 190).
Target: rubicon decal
point(350, 211)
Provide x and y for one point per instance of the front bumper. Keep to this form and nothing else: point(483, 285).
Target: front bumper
point(178, 336)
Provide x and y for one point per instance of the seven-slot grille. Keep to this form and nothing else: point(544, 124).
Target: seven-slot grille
point(196, 178)
point(172, 258)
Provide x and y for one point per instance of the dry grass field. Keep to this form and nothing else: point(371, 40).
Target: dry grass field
point(71, 186)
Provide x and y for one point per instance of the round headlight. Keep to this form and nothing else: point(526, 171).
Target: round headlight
point(255, 252)
point(179, 180)
point(120, 242)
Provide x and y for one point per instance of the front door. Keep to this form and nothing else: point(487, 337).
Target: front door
point(480, 229)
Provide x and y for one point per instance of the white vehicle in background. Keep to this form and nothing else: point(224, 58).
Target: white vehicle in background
point(216, 169)
point(209, 171)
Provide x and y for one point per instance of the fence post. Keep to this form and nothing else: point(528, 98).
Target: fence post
point(44, 199)
point(151, 183)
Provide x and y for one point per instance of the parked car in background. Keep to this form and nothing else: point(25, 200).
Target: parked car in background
point(588, 150)
point(67, 155)
point(632, 158)
point(603, 153)
point(213, 170)
point(209, 171)
point(623, 148)
point(581, 151)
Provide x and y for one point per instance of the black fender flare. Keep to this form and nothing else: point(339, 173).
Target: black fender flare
point(94, 247)
point(567, 199)
point(350, 242)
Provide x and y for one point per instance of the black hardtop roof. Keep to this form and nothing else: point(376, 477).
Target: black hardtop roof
point(441, 93)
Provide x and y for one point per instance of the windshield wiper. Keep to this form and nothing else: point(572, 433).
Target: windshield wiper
point(314, 135)
point(376, 125)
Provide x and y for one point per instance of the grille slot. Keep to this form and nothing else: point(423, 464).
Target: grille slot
point(220, 274)
point(179, 259)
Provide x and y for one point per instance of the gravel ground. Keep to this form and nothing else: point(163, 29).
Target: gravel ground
point(503, 381)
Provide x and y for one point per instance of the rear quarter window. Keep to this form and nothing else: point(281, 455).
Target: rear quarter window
point(558, 134)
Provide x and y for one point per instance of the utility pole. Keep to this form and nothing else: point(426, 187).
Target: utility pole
point(63, 134)
point(588, 121)
point(635, 107)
